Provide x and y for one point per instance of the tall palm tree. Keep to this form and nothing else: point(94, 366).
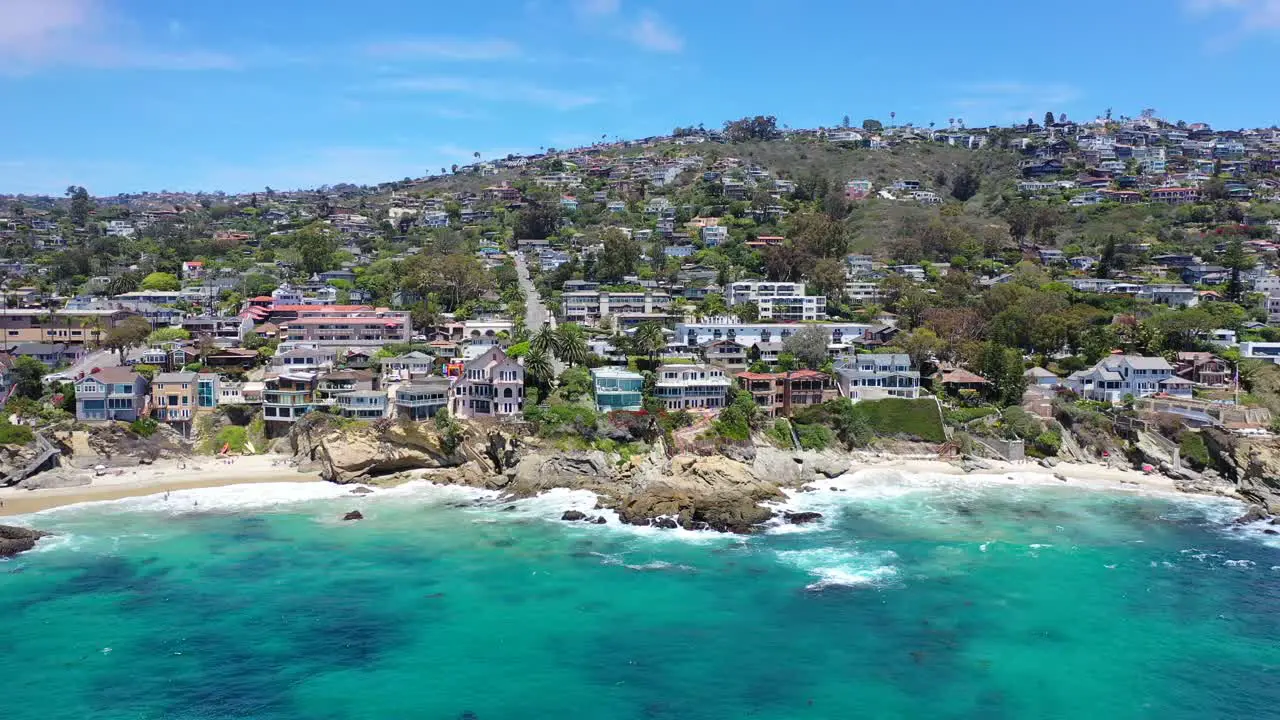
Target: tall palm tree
point(544, 341)
point(537, 369)
point(649, 340)
point(571, 344)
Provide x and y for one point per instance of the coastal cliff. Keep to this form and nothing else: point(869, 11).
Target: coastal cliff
point(1252, 465)
point(690, 491)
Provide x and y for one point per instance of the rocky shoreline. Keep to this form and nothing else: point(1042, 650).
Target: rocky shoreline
point(14, 540)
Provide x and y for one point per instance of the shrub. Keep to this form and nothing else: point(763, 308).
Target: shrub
point(815, 437)
point(144, 427)
point(234, 437)
point(1194, 451)
point(15, 434)
point(1048, 442)
point(964, 416)
point(450, 431)
point(779, 433)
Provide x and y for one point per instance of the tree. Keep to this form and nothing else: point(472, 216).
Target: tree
point(844, 122)
point(809, 345)
point(921, 344)
point(649, 340)
point(760, 127)
point(575, 384)
point(1107, 263)
point(828, 278)
point(169, 334)
point(538, 371)
point(81, 205)
point(128, 333)
point(544, 340)
point(27, 377)
point(1048, 119)
point(746, 311)
point(871, 125)
point(1002, 367)
point(537, 221)
point(1236, 261)
point(965, 184)
point(315, 245)
point(571, 344)
point(618, 257)
point(162, 281)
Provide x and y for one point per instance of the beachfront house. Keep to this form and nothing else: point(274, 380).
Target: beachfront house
point(686, 387)
point(617, 389)
point(114, 393)
point(1118, 376)
point(422, 399)
point(491, 385)
point(877, 377)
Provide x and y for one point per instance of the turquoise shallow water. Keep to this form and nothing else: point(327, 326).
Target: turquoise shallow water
point(918, 597)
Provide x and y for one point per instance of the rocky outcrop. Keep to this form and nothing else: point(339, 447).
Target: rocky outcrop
point(693, 492)
point(1252, 465)
point(800, 518)
point(353, 515)
point(14, 540)
point(351, 453)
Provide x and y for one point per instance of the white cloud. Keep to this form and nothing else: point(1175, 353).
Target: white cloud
point(446, 49)
point(36, 34)
point(1252, 17)
point(493, 91)
point(652, 34)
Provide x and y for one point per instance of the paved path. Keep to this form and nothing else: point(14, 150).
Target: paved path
point(536, 313)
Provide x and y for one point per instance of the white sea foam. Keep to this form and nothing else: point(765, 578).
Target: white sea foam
point(843, 567)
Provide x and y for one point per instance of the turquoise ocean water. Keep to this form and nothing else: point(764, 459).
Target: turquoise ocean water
point(918, 596)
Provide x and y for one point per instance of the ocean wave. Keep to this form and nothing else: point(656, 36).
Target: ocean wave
point(843, 567)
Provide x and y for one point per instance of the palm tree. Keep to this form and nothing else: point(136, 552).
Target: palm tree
point(649, 340)
point(571, 344)
point(537, 369)
point(544, 341)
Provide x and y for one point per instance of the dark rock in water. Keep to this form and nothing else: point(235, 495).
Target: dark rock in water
point(353, 515)
point(600, 520)
point(800, 518)
point(573, 515)
point(14, 540)
point(1252, 515)
point(1275, 521)
point(362, 490)
point(1269, 531)
point(468, 715)
point(665, 523)
point(509, 508)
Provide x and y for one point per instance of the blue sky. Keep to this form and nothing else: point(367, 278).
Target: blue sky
point(128, 95)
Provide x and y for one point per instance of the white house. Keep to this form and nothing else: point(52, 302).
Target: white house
point(683, 387)
point(877, 377)
point(1117, 376)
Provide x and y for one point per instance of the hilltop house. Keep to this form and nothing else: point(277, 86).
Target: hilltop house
point(877, 377)
point(685, 387)
point(782, 394)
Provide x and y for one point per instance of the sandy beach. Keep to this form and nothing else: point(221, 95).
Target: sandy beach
point(207, 472)
point(199, 472)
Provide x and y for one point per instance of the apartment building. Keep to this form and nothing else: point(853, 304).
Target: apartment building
point(373, 328)
point(782, 394)
point(626, 308)
point(750, 333)
point(362, 404)
point(114, 393)
point(491, 385)
point(784, 301)
point(692, 387)
point(617, 389)
point(877, 377)
point(225, 330)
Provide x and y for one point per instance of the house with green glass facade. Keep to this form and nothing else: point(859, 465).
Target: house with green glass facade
point(617, 389)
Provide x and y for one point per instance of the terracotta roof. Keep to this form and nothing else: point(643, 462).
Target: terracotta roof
point(962, 376)
point(756, 376)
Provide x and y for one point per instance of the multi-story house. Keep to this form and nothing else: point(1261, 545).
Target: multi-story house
point(1203, 368)
point(862, 293)
point(727, 354)
point(1117, 376)
point(173, 399)
point(1180, 296)
point(114, 393)
point(617, 389)
point(303, 357)
point(877, 377)
point(490, 385)
point(626, 308)
point(362, 404)
point(332, 384)
point(287, 397)
point(782, 394)
point(411, 365)
point(51, 355)
point(714, 235)
point(422, 399)
point(687, 387)
point(1175, 195)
